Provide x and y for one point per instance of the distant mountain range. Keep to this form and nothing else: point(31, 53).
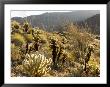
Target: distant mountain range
point(93, 23)
point(51, 20)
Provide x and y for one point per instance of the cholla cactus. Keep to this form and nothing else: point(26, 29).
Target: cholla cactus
point(94, 69)
point(15, 25)
point(26, 26)
point(36, 65)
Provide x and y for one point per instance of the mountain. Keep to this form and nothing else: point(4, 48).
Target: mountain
point(50, 20)
point(93, 23)
point(18, 19)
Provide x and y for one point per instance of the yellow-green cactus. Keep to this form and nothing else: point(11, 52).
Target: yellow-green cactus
point(36, 65)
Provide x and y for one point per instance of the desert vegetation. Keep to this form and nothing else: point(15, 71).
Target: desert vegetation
point(35, 52)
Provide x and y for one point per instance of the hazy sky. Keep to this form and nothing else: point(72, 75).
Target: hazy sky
point(28, 13)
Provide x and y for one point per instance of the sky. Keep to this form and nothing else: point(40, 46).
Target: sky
point(28, 13)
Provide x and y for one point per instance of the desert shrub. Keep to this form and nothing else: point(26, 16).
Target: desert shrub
point(93, 70)
point(16, 55)
point(16, 71)
point(76, 70)
point(26, 26)
point(30, 30)
point(43, 39)
point(20, 31)
point(37, 30)
point(39, 40)
point(40, 35)
point(65, 60)
point(15, 25)
point(28, 37)
point(36, 65)
point(18, 39)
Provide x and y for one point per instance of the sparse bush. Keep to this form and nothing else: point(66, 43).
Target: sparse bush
point(18, 39)
point(16, 55)
point(15, 25)
point(28, 37)
point(94, 70)
point(43, 39)
point(26, 26)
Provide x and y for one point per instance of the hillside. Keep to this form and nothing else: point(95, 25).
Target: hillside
point(36, 52)
point(50, 21)
point(93, 23)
